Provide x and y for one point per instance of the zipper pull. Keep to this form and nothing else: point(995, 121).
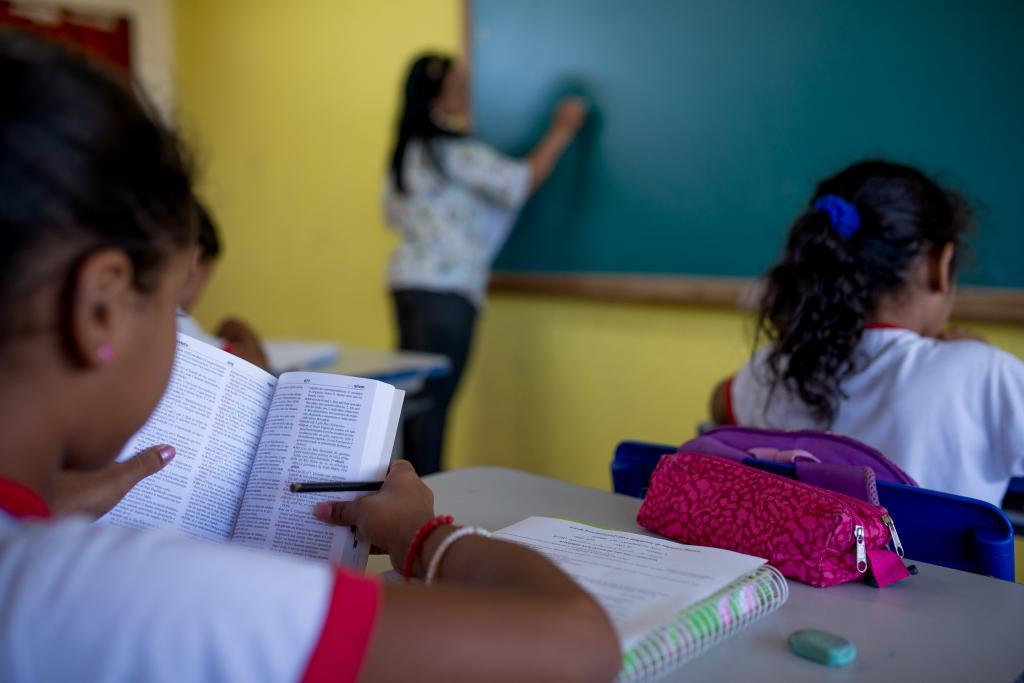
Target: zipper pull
point(862, 555)
point(895, 536)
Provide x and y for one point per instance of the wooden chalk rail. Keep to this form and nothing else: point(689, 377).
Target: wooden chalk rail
point(983, 304)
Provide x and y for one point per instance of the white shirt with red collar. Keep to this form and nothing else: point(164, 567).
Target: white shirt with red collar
point(951, 414)
point(101, 603)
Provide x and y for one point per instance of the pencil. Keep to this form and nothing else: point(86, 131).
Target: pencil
point(335, 486)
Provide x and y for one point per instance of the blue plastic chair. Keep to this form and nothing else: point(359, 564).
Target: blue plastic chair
point(1013, 504)
point(934, 527)
point(1016, 486)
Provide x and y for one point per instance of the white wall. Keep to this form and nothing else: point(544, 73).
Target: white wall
point(152, 40)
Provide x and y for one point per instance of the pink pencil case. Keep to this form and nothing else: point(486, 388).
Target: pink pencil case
point(813, 535)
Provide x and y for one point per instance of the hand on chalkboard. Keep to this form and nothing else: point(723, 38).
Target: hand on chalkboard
point(571, 114)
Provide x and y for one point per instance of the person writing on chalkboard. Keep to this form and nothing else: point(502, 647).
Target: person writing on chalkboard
point(857, 313)
point(453, 201)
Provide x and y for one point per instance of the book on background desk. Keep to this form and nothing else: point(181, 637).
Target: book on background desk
point(286, 355)
point(242, 436)
point(669, 602)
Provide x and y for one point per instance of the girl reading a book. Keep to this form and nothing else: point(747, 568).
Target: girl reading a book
point(452, 200)
point(856, 314)
point(98, 227)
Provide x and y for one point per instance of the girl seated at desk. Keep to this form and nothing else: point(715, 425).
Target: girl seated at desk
point(98, 226)
point(856, 317)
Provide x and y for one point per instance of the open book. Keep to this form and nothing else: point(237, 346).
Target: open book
point(667, 601)
point(242, 436)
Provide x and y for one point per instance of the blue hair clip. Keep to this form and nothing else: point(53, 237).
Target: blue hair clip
point(841, 213)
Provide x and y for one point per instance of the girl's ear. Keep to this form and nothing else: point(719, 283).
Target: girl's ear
point(98, 305)
point(940, 266)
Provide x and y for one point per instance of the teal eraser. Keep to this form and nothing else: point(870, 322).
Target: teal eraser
point(821, 646)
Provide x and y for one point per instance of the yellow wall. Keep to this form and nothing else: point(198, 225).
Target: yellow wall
point(290, 106)
point(556, 383)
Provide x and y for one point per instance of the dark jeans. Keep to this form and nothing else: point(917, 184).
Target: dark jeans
point(433, 322)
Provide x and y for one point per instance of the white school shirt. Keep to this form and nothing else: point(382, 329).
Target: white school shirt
point(83, 602)
point(951, 414)
point(451, 225)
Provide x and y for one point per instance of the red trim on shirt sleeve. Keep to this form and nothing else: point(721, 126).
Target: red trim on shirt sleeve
point(730, 416)
point(19, 500)
point(345, 636)
point(883, 326)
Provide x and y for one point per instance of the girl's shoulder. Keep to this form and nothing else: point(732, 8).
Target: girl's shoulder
point(956, 362)
point(969, 353)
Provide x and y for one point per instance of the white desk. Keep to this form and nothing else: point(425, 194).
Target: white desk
point(941, 625)
point(405, 369)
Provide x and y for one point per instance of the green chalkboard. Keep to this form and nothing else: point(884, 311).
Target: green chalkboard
point(713, 119)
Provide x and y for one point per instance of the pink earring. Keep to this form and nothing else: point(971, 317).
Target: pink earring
point(105, 352)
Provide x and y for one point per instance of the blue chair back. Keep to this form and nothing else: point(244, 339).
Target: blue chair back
point(1016, 486)
point(934, 527)
point(633, 465)
point(1013, 504)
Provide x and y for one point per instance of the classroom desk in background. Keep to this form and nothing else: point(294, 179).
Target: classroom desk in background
point(941, 625)
point(406, 370)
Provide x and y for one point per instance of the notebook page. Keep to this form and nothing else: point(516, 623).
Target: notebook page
point(641, 581)
point(212, 413)
point(320, 427)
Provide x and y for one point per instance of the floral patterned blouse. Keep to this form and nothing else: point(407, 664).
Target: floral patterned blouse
point(453, 224)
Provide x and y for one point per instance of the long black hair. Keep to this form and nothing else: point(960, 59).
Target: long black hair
point(422, 88)
point(84, 163)
point(826, 288)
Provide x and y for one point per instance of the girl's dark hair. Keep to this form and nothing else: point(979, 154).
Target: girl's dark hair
point(84, 163)
point(819, 297)
point(207, 237)
point(422, 87)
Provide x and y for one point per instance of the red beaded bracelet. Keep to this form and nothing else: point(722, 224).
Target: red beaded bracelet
point(419, 538)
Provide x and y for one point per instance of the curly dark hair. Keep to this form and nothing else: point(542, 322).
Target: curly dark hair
point(825, 289)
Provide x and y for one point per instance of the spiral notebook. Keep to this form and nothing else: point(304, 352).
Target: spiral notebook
point(669, 602)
